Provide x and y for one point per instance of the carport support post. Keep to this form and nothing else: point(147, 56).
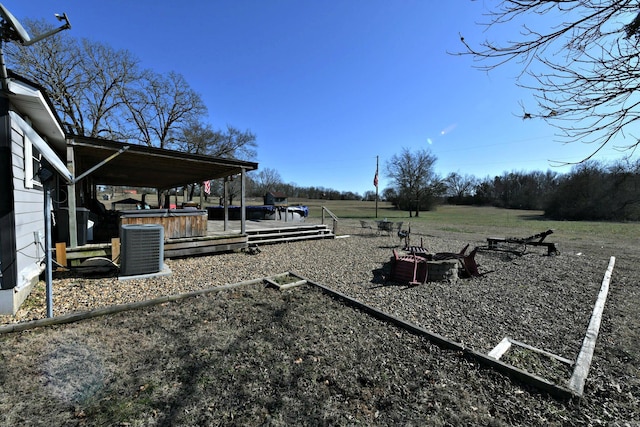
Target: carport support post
point(225, 202)
point(48, 248)
point(71, 192)
point(243, 207)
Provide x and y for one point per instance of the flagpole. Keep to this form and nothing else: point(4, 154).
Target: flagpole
point(377, 186)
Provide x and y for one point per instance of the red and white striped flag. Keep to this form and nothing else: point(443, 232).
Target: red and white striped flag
point(207, 187)
point(375, 179)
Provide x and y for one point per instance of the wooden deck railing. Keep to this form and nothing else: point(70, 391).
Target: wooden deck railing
point(334, 218)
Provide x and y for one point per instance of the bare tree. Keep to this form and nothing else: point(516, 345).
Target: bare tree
point(414, 178)
point(83, 78)
point(108, 72)
point(581, 60)
point(195, 137)
point(234, 143)
point(460, 186)
point(201, 138)
point(390, 194)
point(267, 179)
point(159, 106)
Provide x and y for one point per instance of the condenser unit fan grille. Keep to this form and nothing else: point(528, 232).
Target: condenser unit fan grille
point(142, 249)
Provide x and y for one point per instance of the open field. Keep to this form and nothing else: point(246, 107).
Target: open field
point(257, 356)
point(473, 219)
point(470, 219)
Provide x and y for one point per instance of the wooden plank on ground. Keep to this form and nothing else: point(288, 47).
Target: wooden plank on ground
point(543, 352)
point(583, 363)
point(522, 375)
point(502, 347)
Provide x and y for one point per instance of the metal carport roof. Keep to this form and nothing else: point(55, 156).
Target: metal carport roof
point(142, 166)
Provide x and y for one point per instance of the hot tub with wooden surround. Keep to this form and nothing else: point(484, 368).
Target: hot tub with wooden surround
point(177, 223)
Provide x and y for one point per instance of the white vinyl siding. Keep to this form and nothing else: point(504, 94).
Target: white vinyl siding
point(28, 206)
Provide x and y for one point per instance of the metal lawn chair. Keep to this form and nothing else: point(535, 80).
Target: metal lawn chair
point(385, 226)
point(365, 225)
point(404, 234)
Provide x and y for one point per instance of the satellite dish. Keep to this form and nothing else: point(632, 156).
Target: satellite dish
point(11, 28)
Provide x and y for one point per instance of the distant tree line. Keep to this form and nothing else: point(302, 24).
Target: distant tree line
point(590, 191)
point(593, 191)
point(260, 182)
point(511, 190)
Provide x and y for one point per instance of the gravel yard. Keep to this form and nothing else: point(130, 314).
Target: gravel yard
point(256, 356)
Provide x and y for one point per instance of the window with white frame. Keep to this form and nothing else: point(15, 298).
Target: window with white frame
point(32, 159)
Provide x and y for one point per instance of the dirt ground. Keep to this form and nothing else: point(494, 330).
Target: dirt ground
point(256, 355)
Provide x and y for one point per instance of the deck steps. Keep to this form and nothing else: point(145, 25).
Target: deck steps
point(195, 246)
point(288, 234)
point(203, 245)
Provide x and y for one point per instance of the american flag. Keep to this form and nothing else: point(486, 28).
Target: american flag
point(207, 187)
point(375, 179)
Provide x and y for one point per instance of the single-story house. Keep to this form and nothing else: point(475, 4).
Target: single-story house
point(31, 137)
point(30, 134)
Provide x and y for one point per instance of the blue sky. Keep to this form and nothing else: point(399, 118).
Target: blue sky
point(327, 86)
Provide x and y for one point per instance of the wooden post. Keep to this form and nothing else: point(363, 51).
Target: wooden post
point(201, 196)
point(61, 254)
point(115, 249)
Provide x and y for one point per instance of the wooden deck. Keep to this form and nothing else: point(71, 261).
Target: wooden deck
point(217, 240)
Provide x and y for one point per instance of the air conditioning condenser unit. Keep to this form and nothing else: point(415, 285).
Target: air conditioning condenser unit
point(141, 249)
